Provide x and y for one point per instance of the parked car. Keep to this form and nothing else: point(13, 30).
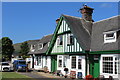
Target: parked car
point(20, 65)
point(4, 66)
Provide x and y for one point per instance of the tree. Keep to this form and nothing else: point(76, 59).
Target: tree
point(24, 48)
point(7, 47)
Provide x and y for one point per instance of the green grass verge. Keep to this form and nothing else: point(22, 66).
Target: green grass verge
point(14, 76)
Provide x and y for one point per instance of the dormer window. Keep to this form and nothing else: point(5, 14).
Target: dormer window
point(32, 48)
point(60, 40)
point(110, 37)
point(48, 44)
point(40, 46)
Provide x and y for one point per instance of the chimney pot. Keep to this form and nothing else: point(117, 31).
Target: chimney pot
point(57, 20)
point(86, 13)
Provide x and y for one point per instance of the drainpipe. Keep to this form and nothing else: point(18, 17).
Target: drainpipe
point(87, 62)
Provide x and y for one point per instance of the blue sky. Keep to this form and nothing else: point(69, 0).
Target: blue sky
point(23, 21)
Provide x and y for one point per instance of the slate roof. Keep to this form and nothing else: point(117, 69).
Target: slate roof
point(98, 28)
point(45, 41)
point(81, 30)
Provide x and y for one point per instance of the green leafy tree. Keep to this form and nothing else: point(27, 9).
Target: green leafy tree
point(24, 48)
point(7, 47)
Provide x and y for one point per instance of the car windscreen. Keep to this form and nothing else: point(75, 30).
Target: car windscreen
point(6, 64)
point(22, 62)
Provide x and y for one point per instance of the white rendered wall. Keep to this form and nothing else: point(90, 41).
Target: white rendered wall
point(69, 65)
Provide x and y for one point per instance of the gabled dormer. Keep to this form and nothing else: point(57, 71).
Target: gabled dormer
point(71, 36)
point(40, 46)
point(32, 48)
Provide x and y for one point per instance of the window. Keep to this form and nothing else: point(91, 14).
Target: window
point(110, 65)
point(48, 44)
point(70, 39)
point(116, 65)
point(79, 63)
point(73, 62)
point(40, 46)
point(39, 60)
point(60, 40)
point(32, 49)
point(109, 37)
point(65, 61)
point(59, 61)
point(46, 60)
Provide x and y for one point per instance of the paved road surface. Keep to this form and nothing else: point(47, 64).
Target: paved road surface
point(31, 74)
point(40, 77)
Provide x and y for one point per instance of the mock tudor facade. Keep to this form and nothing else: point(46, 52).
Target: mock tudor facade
point(84, 46)
point(71, 42)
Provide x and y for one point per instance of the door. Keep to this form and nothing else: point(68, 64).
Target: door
point(94, 67)
point(32, 61)
point(53, 63)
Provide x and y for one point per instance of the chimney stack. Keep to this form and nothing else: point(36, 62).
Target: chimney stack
point(87, 13)
point(57, 20)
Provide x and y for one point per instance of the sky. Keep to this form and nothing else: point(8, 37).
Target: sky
point(22, 21)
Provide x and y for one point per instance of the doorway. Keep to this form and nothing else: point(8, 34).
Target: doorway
point(94, 66)
point(53, 63)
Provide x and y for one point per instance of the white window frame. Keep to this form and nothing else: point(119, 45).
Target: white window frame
point(39, 46)
point(79, 58)
point(75, 62)
point(32, 48)
point(39, 60)
point(101, 62)
point(65, 61)
point(110, 39)
point(60, 57)
point(69, 42)
point(59, 40)
point(48, 44)
point(46, 60)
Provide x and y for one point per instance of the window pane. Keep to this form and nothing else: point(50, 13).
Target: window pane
point(110, 35)
point(60, 40)
point(73, 61)
point(79, 63)
point(70, 39)
point(65, 61)
point(60, 63)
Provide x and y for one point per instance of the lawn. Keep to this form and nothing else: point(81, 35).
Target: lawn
point(14, 76)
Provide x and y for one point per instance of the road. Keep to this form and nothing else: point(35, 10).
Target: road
point(40, 77)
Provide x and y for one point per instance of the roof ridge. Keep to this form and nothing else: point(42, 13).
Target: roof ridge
point(48, 35)
point(106, 19)
point(72, 16)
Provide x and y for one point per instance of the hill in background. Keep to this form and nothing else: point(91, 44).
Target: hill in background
point(17, 46)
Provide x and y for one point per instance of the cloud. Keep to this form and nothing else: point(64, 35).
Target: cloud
point(103, 5)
